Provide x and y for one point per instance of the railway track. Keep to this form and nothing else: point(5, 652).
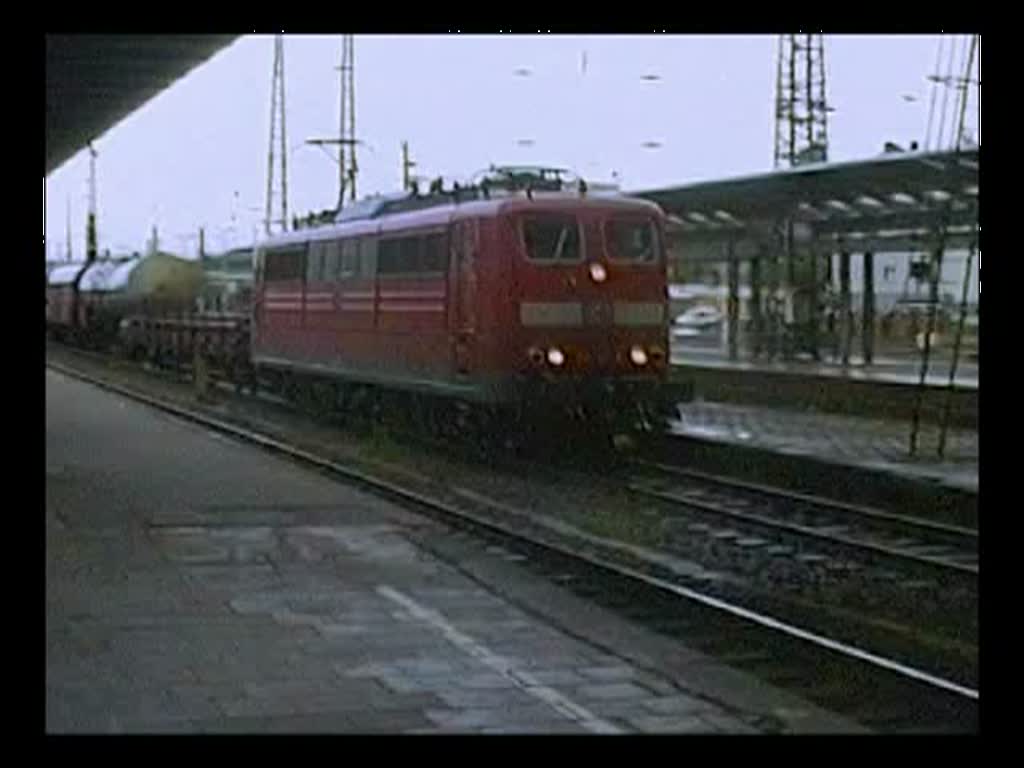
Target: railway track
point(932, 548)
point(879, 580)
point(882, 693)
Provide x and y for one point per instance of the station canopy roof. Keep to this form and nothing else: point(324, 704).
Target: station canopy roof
point(891, 203)
point(95, 81)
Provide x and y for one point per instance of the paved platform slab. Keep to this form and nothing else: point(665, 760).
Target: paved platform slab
point(198, 585)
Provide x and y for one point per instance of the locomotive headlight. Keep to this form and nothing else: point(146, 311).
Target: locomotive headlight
point(556, 357)
point(598, 273)
point(536, 355)
point(638, 356)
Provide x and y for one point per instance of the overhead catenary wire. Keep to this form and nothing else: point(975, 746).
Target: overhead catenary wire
point(961, 55)
point(942, 234)
point(945, 92)
point(935, 91)
point(962, 86)
point(965, 287)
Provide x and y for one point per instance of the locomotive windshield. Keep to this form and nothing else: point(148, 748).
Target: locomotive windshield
point(551, 238)
point(634, 241)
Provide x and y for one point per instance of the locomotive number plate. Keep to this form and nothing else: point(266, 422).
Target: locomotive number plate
point(599, 313)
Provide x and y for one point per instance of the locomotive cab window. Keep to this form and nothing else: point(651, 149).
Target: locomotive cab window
point(632, 241)
point(551, 239)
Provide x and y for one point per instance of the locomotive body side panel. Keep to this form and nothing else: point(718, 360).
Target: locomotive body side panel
point(353, 320)
point(281, 301)
point(412, 302)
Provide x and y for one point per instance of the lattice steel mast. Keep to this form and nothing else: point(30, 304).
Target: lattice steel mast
point(277, 115)
point(347, 169)
point(801, 109)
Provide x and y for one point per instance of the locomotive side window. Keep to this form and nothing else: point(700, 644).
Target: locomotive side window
point(409, 255)
point(284, 265)
point(633, 241)
point(434, 256)
point(332, 259)
point(349, 266)
point(368, 256)
point(389, 259)
point(551, 239)
point(413, 256)
point(314, 263)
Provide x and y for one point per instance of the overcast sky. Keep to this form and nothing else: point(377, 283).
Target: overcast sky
point(197, 153)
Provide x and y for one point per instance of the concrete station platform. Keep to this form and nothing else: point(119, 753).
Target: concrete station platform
point(883, 369)
point(195, 584)
point(863, 413)
point(876, 446)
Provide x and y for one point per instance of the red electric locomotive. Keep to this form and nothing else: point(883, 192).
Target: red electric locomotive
point(526, 303)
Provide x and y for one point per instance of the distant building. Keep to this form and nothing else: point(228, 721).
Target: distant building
point(893, 280)
point(892, 272)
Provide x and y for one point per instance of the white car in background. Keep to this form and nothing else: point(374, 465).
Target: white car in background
point(697, 320)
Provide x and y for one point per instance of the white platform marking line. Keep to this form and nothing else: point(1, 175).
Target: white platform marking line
point(522, 679)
